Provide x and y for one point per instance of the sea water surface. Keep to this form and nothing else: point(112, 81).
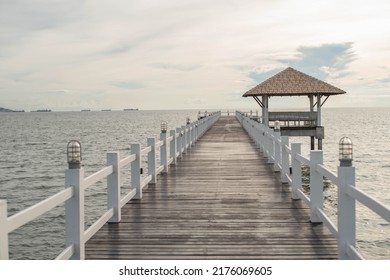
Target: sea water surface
point(33, 160)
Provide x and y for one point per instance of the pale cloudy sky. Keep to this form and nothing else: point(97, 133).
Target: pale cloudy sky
point(191, 54)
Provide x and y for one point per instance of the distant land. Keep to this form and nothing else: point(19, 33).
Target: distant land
point(4, 110)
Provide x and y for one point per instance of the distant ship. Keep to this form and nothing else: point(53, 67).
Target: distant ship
point(86, 110)
point(131, 109)
point(42, 111)
point(106, 110)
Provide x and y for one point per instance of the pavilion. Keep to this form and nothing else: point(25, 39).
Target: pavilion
point(291, 82)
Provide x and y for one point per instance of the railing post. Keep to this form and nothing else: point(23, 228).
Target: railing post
point(285, 160)
point(262, 141)
point(346, 218)
point(151, 142)
point(193, 134)
point(4, 254)
point(184, 139)
point(271, 156)
point(250, 125)
point(198, 129)
point(194, 130)
point(259, 138)
point(164, 152)
point(136, 170)
point(256, 136)
point(266, 144)
point(277, 162)
point(188, 138)
point(74, 213)
point(179, 141)
point(172, 148)
point(296, 170)
point(316, 186)
point(114, 187)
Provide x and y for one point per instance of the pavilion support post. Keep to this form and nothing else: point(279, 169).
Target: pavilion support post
point(311, 103)
point(319, 119)
point(312, 143)
point(319, 144)
point(318, 110)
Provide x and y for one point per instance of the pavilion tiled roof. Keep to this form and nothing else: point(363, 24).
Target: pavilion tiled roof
point(291, 82)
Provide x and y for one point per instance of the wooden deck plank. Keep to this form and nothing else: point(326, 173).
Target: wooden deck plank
point(221, 201)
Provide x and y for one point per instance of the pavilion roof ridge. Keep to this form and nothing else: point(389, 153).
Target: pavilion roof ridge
point(291, 82)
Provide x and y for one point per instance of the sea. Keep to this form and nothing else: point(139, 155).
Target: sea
point(33, 163)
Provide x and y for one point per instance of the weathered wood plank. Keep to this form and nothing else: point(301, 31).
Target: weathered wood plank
point(221, 201)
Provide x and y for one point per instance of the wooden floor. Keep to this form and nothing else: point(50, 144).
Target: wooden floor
point(221, 201)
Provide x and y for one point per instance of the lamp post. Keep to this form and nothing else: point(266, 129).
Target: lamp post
point(164, 127)
point(346, 205)
point(278, 154)
point(277, 126)
point(164, 149)
point(345, 151)
point(74, 207)
point(74, 154)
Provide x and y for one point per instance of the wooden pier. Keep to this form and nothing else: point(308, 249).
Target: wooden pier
point(220, 198)
point(221, 201)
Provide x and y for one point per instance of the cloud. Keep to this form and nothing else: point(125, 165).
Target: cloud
point(327, 61)
point(123, 46)
point(173, 50)
point(128, 85)
point(20, 17)
point(196, 101)
point(260, 76)
point(178, 67)
point(385, 81)
point(120, 48)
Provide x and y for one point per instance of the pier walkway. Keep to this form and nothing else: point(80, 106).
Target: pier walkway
point(221, 201)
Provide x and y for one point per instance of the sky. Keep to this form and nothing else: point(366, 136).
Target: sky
point(188, 54)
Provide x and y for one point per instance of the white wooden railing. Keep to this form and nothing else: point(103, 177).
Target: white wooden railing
point(280, 154)
point(251, 113)
point(170, 148)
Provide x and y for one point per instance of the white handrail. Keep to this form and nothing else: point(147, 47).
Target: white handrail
point(330, 225)
point(146, 150)
point(159, 169)
point(289, 179)
point(327, 173)
point(305, 198)
point(66, 254)
point(272, 146)
point(98, 224)
point(146, 181)
point(370, 202)
point(302, 159)
point(35, 211)
point(353, 253)
point(128, 197)
point(127, 160)
point(159, 144)
point(77, 184)
point(97, 176)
